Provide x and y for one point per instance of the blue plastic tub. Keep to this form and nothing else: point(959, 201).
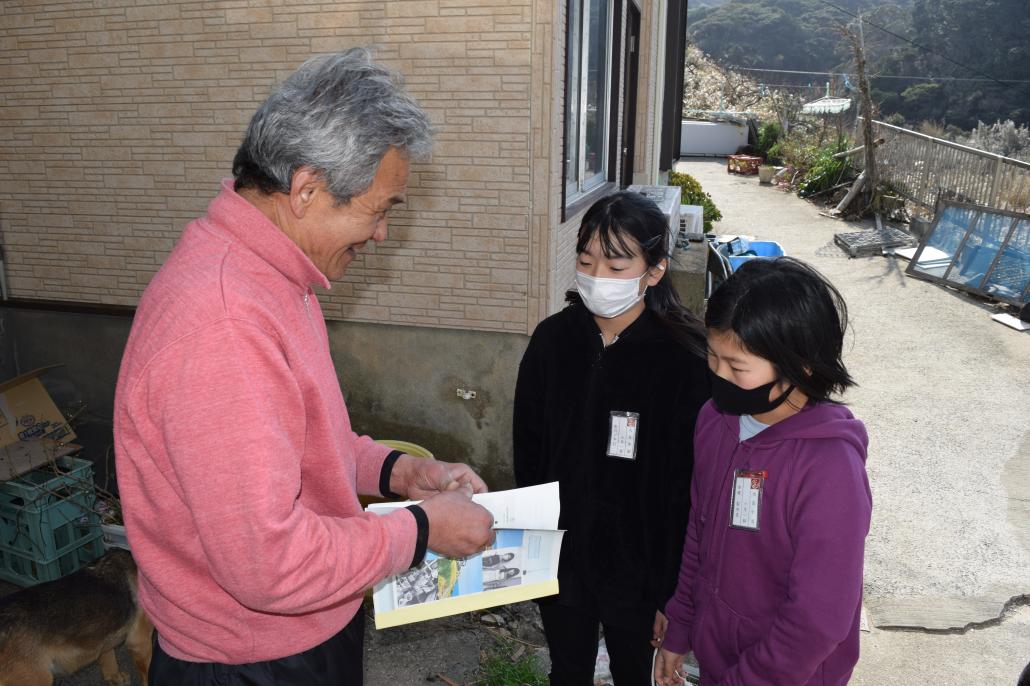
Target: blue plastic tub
point(760, 249)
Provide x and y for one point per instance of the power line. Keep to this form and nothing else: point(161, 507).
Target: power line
point(923, 47)
point(878, 76)
point(789, 85)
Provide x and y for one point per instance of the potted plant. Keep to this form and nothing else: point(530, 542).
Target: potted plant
point(692, 194)
point(766, 173)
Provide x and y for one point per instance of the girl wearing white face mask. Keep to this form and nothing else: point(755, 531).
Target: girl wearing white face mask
point(607, 396)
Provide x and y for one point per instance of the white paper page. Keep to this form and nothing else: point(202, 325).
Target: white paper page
point(1014, 322)
point(930, 254)
point(533, 507)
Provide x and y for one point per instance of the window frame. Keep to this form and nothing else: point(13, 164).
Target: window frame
point(587, 190)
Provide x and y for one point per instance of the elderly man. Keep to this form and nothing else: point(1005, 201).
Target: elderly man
point(237, 464)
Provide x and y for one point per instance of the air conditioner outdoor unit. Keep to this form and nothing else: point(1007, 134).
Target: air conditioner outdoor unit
point(668, 200)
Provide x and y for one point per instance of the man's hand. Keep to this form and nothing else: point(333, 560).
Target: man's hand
point(417, 477)
point(457, 526)
point(667, 668)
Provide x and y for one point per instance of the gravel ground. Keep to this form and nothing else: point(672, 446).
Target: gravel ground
point(982, 657)
point(943, 394)
point(944, 397)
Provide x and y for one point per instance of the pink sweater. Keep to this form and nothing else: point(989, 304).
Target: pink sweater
point(237, 464)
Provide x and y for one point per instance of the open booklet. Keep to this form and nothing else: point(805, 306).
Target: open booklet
point(521, 565)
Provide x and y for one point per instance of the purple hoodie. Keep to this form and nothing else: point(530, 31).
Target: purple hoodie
point(781, 605)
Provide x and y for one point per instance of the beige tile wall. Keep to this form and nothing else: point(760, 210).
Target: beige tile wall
point(119, 118)
point(547, 102)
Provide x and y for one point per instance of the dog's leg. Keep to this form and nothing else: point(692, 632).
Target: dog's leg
point(109, 669)
point(26, 674)
point(140, 644)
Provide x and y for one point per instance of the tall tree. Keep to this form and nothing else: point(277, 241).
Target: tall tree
point(992, 37)
point(963, 39)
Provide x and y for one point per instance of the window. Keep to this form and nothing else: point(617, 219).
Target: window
point(978, 249)
point(588, 96)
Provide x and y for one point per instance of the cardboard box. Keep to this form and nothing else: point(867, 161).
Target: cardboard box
point(32, 429)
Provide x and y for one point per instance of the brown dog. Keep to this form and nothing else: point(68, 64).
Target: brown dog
point(59, 627)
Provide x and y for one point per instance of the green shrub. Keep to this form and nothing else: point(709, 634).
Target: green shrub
point(826, 171)
point(798, 149)
point(693, 195)
point(768, 136)
point(896, 119)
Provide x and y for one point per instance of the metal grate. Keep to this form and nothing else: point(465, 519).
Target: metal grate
point(871, 242)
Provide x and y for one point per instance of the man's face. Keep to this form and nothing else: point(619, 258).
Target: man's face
point(330, 234)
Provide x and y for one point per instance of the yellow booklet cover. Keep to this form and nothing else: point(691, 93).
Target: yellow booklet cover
point(521, 565)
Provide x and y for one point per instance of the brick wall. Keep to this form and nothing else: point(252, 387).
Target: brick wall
point(119, 118)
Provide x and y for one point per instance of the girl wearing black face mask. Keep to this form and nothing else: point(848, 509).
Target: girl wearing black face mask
point(607, 395)
point(770, 583)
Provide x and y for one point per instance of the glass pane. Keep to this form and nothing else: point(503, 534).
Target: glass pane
point(574, 60)
point(595, 138)
point(945, 240)
point(978, 252)
point(1012, 273)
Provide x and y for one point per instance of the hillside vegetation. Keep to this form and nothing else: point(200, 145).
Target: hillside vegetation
point(961, 44)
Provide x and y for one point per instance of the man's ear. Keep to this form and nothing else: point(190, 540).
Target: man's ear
point(304, 186)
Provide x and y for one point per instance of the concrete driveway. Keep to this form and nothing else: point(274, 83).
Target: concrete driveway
point(945, 394)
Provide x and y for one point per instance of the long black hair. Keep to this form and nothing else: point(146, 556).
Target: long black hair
point(615, 217)
point(785, 311)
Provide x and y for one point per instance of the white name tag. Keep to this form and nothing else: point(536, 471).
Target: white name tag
point(746, 503)
point(622, 435)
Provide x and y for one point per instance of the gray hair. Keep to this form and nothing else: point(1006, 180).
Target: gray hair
point(338, 114)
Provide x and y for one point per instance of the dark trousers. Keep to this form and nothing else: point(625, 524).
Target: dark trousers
point(336, 662)
point(572, 641)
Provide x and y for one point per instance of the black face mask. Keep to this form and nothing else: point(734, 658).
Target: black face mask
point(732, 399)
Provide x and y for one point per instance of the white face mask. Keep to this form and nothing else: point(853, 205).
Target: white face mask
point(608, 297)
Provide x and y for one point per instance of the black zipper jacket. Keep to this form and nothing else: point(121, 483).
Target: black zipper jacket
point(625, 520)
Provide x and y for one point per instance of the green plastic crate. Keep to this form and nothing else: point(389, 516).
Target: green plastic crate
point(24, 570)
point(49, 530)
point(48, 523)
point(39, 486)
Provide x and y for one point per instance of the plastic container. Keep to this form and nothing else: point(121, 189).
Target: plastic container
point(43, 483)
point(760, 249)
point(26, 570)
point(51, 529)
point(114, 536)
point(404, 447)
point(409, 448)
point(48, 523)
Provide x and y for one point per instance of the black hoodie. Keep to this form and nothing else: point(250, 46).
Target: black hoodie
point(625, 519)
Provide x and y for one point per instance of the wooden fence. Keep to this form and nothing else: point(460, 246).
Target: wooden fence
point(924, 168)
